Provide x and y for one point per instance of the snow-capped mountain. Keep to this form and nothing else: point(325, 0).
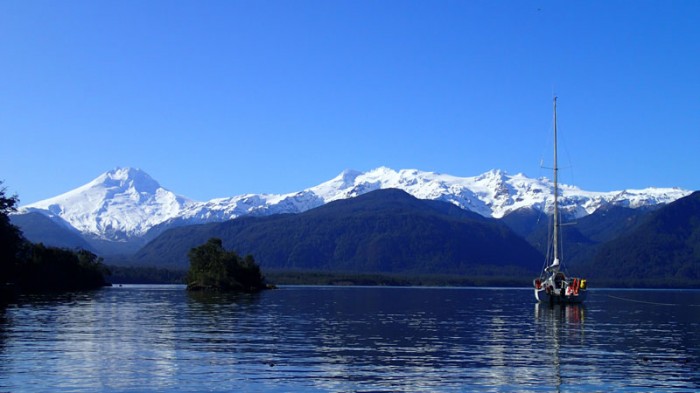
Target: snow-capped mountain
point(123, 204)
point(117, 205)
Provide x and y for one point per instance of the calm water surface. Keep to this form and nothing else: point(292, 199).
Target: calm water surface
point(160, 338)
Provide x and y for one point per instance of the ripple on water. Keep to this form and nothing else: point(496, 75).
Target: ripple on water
point(139, 338)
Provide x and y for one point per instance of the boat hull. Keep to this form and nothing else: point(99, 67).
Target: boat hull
point(554, 298)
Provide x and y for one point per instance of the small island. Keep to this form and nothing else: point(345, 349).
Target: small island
point(212, 268)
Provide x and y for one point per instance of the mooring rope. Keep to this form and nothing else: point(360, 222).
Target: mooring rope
point(654, 303)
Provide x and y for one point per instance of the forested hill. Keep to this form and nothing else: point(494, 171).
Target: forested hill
point(663, 251)
point(385, 231)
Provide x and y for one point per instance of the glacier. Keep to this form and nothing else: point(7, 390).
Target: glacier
point(125, 203)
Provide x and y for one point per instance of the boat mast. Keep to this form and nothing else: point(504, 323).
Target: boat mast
point(555, 262)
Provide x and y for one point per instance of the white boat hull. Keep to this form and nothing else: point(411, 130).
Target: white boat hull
point(555, 298)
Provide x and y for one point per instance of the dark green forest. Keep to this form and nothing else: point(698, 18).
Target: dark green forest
point(120, 274)
point(29, 267)
point(663, 251)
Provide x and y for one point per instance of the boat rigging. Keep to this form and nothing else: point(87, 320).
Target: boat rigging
point(552, 286)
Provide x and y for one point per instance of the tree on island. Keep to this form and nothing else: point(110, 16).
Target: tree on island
point(212, 268)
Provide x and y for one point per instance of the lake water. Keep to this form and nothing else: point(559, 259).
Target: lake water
point(350, 339)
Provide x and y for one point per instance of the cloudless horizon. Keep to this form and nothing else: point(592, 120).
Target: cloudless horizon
point(222, 98)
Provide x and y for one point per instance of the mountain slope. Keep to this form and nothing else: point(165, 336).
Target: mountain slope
point(665, 248)
point(39, 228)
point(385, 231)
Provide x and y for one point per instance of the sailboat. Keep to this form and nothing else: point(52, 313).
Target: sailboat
point(553, 286)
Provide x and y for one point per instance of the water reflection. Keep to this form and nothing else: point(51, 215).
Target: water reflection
point(343, 339)
point(556, 313)
point(559, 326)
point(5, 327)
point(105, 333)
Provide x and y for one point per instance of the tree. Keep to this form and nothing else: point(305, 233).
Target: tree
point(7, 204)
point(11, 239)
point(214, 268)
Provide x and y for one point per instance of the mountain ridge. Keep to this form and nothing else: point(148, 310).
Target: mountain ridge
point(126, 204)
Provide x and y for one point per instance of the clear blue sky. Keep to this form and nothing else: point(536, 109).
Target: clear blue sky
point(221, 98)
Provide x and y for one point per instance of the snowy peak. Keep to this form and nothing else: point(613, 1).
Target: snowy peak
point(117, 205)
point(124, 179)
point(342, 183)
point(493, 176)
